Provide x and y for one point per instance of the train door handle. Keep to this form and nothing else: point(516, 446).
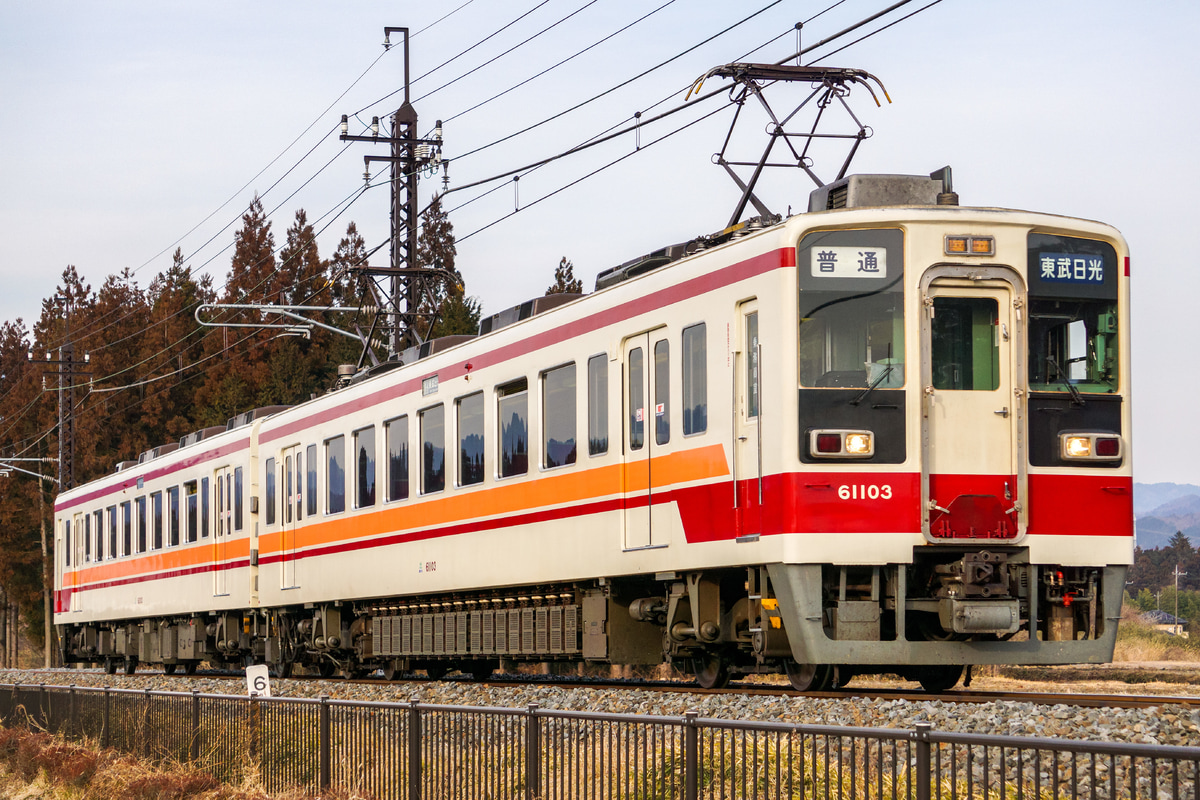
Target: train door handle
point(1002, 412)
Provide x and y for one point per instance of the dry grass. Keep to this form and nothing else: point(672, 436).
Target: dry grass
point(38, 766)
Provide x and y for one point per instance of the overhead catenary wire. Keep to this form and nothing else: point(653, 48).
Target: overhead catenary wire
point(284, 151)
point(622, 132)
point(643, 122)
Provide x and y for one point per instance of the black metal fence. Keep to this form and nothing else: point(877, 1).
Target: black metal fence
point(425, 752)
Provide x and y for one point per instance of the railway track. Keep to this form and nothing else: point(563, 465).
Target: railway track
point(960, 695)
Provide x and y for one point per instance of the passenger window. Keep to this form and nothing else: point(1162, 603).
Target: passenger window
point(335, 475)
point(965, 348)
point(87, 537)
point(67, 542)
point(662, 392)
point(470, 439)
point(190, 501)
point(98, 524)
point(238, 494)
point(558, 416)
point(204, 507)
point(433, 450)
point(695, 380)
point(364, 467)
point(598, 405)
point(310, 487)
point(268, 491)
point(173, 516)
point(142, 528)
point(512, 406)
point(112, 532)
point(395, 431)
point(126, 528)
point(156, 508)
point(637, 400)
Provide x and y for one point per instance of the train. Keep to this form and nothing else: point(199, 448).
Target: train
point(887, 434)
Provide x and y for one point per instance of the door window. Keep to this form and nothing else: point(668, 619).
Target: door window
point(637, 400)
point(965, 344)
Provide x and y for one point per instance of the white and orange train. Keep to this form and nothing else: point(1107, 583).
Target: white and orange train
point(890, 434)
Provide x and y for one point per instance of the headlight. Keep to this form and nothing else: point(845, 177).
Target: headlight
point(826, 443)
point(1088, 446)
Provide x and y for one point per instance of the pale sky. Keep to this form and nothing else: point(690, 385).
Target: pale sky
point(127, 126)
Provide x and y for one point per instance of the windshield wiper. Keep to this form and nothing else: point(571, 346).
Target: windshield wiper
point(865, 392)
point(1076, 396)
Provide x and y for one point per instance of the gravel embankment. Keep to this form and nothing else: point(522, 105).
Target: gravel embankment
point(1169, 724)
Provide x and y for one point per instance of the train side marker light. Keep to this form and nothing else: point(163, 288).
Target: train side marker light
point(1090, 447)
point(841, 444)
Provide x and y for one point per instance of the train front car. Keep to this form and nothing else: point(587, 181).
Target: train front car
point(955, 486)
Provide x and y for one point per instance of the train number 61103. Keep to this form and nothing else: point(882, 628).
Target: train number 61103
point(865, 491)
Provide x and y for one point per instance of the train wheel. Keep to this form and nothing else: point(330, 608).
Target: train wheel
point(940, 678)
point(190, 667)
point(326, 669)
point(169, 669)
point(130, 665)
point(284, 669)
point(809, 677)
point(712, 672)
point(437, 671)
point(110, 666)
point(390, 671)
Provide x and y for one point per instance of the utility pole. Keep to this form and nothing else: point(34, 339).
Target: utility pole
point(399, 307)
point(67, 374)
point(1178, 574)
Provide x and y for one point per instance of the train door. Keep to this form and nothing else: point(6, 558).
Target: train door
point(224, 531)
point(747, 445)
point(636, 447)
point(293, 510)
point(646, 428)
point(972, 476)
point(77, 547)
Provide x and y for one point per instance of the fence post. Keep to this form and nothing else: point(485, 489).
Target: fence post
point(924, 773)
point(533, 753)
point(691, 756)
point(72, 714)
point(194, 751)
point(146, 726)
point(326, 744)
point(414, 750)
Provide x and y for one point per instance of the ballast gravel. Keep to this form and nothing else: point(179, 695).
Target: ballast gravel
point(1167, 724)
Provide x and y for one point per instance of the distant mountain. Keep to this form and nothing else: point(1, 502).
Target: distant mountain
point(1147, 497)
point(1161, 509)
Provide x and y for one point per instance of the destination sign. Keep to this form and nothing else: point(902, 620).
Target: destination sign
point(1071, 268)
point(849, 262)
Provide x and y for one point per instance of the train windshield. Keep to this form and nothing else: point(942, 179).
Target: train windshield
point(1072, 315)
point(852, 309)
point(1072, 342)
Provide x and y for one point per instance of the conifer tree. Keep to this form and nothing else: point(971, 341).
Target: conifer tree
point(565, 280)
point(455, 312)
